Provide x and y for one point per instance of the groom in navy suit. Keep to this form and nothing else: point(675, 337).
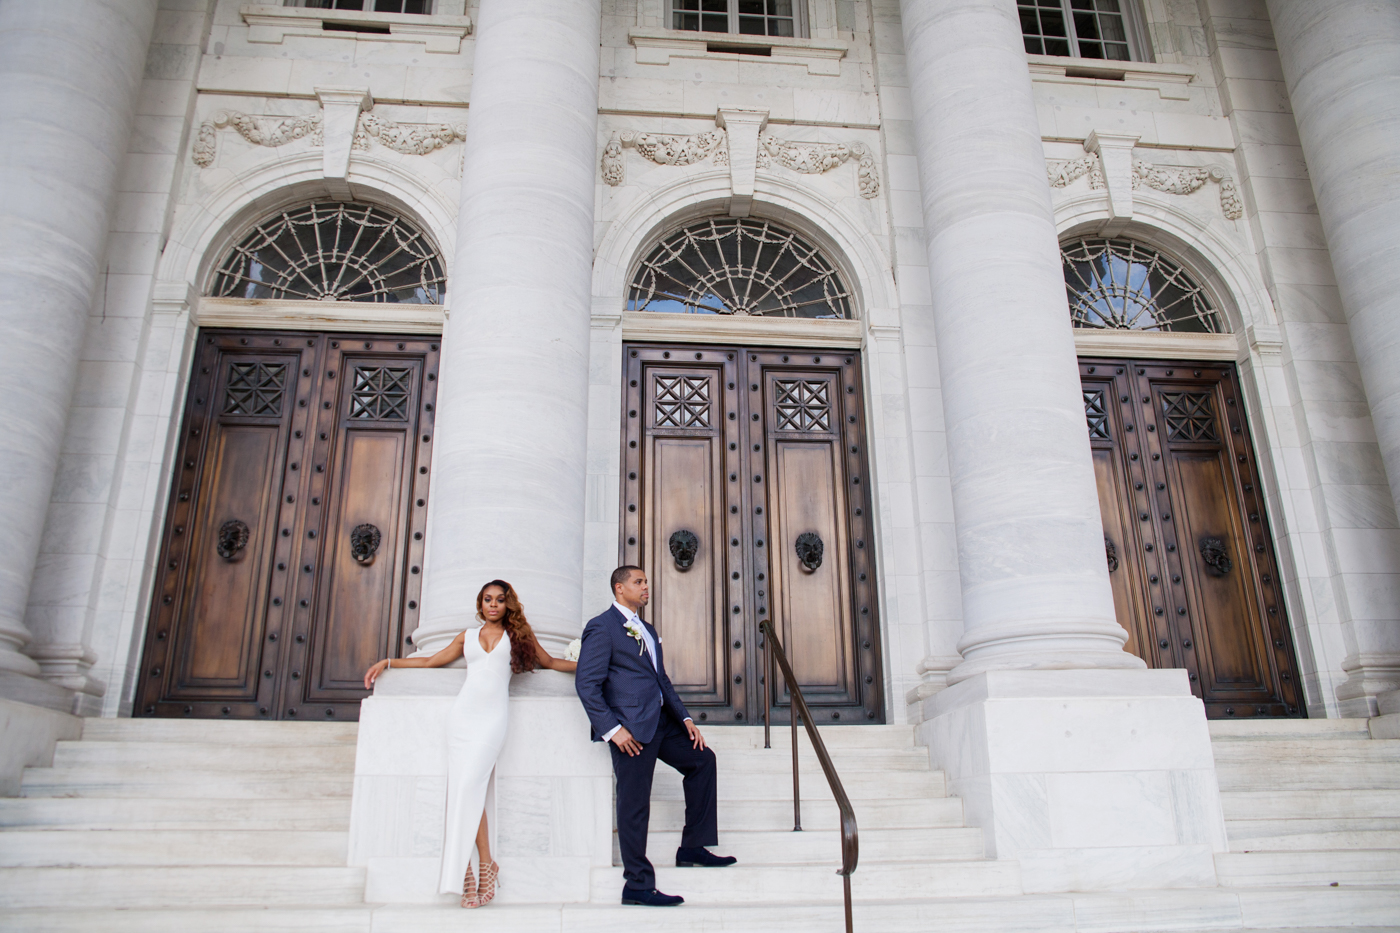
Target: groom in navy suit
point(631, 704)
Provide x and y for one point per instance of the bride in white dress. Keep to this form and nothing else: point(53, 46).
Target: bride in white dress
point(476, 729)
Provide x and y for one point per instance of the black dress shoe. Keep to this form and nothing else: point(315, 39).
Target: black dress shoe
point(652, 898)
point(699, 857)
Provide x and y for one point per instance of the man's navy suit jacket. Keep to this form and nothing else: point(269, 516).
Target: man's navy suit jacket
point(617, 683)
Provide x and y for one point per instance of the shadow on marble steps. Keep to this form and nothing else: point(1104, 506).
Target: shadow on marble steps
point(823, 847)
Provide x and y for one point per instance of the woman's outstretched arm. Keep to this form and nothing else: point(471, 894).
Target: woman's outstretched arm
point(444, 657)
point(546, 660)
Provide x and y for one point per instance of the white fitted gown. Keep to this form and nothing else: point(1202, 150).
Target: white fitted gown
point(476, 730)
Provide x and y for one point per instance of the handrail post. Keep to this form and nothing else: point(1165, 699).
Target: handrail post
point(768, 692)
point(796, 789)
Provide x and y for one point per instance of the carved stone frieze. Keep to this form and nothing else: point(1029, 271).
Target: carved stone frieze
point(803, 157)
point(1065, 172)
point(664, 149)
point(258, 130)
point(1176, 179)
point(1170, 179)
point(817, 158)
point(408, 138)
point(1173, 179)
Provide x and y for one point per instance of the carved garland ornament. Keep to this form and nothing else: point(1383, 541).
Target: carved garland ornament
point(408, 138)
point(1171, 179)
point(816, 158)
point(805, 158)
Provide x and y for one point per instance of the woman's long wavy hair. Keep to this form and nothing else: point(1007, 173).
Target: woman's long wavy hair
point(522, 639)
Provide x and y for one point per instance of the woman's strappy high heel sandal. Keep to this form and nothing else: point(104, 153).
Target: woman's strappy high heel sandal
point(490, 880)
point(469, 889)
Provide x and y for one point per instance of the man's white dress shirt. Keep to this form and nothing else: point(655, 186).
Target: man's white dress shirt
point(629, 616)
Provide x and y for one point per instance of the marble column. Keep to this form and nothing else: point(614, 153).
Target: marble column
point(1341, 63)
point(1030, 543)
point(1090, 770)
point(70, 71)
point(509, 464)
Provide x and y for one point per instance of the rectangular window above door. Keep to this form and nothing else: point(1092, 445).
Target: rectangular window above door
point(367, 6)
point(1107, 30)
point(787, 18)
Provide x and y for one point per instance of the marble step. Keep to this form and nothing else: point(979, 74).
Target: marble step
point(836, 738)
point(780, 761)
point(1369, 910)
point(1293, 838)
point(1302, 868)
point(224, 733)
point(311, 760)
point(1307, 775)
point(1348, 804)
point(1301, 751)
point(330, 814)
point(1250, 730)
point(194, 920)
point(823, 846)
point(101, 848)
point(776, 815)
point(813, 884)
point(1033, 914)
point(732, 785)
point(100, 780)
point(167, 886)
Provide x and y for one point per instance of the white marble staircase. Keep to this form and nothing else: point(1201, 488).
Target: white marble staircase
point(205, 827)
point(1309, 804)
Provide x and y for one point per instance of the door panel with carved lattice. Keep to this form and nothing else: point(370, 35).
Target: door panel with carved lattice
point(293, 538)
point(743, 497)
point(1191, 560)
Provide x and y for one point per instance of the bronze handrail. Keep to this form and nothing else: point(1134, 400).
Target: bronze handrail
point(850, 839)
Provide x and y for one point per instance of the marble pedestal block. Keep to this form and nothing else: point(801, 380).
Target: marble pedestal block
point(1386, 725)
point(550, 808)
point(28, 735)
point(1093, 780)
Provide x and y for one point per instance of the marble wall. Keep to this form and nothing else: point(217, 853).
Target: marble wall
point(1214, 97)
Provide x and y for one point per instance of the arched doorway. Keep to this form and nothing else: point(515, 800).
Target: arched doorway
point(745, 479)
point(1191, 560)
point(293, 537)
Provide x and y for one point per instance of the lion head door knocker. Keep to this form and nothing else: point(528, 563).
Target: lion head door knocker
point(1213, 553)
point(233, 537)
point(364, 543)
point(684, 547)
point(809, 550)
point(1110, 551)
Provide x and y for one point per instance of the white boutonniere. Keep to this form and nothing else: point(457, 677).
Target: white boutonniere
point(634, 628)
point(572, 649)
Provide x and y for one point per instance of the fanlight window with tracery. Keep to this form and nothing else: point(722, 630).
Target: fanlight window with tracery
point(1124, 285)
point(333, 251)
point(740, 267)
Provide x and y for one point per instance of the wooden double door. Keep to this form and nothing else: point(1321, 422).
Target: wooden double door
point(745, 496)
point(1195, 579)
point(293, 541)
